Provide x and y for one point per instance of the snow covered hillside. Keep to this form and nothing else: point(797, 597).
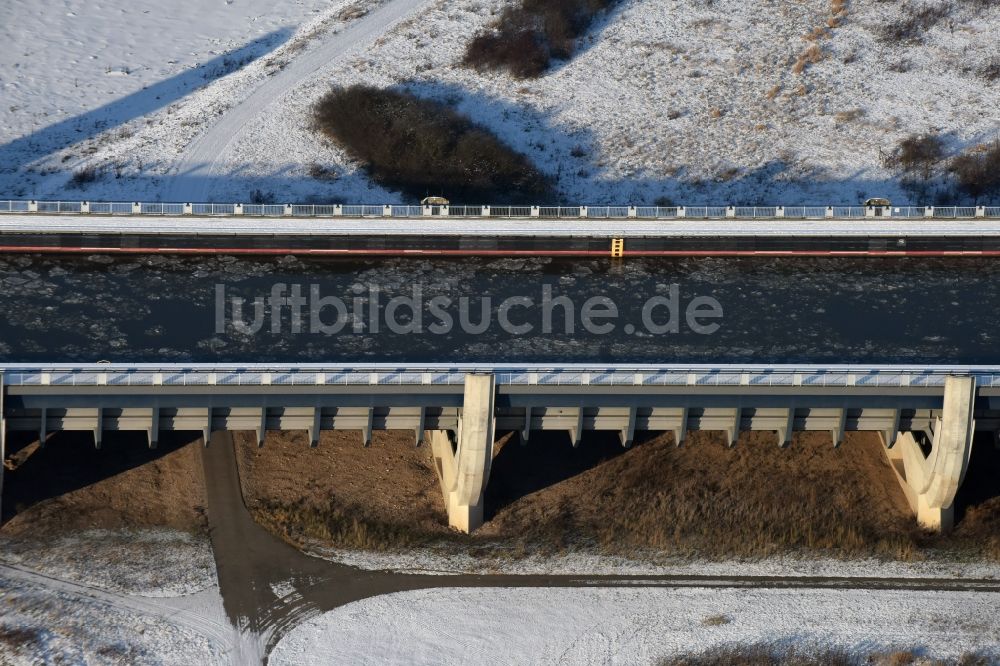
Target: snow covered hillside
point(693, 102)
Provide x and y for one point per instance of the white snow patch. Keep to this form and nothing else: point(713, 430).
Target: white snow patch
point(149, 562)
point(629, 626)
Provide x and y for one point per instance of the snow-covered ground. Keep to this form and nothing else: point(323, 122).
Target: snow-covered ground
point(114, 597)
point(630, 626)
point(45, 622)
point(684, 100)
point(150, 563)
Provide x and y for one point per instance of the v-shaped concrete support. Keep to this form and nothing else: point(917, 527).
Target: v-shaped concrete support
point(931, 483)
point(464, 469)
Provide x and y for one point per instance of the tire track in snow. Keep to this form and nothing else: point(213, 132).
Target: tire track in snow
point(221, 634)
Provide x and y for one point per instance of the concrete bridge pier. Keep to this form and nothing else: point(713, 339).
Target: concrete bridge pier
point(463, 460)
point(931, 482)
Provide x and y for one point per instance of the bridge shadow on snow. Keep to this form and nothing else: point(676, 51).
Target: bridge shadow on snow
point(40, 144)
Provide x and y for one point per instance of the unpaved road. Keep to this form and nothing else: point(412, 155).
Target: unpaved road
point(203, 157)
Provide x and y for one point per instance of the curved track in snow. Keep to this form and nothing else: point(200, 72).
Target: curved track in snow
point(201, 160)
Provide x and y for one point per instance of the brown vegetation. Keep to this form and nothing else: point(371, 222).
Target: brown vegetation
point(977, 170)
point(918, 154)
point(915, 20)
point(527, 37)
point(420, 146)
point(67, 485)
point(703, 499)
point(766, 654)
point(810, 56)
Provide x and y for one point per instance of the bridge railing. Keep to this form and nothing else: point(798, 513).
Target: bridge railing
point(173, 376)
point(484, 211)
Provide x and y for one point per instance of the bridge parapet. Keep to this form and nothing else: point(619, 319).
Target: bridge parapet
point(622, 212)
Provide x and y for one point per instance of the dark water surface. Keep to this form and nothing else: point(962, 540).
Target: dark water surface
point(795, 310)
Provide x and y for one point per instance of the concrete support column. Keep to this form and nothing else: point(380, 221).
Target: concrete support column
point(464, 468)
point(84, 206)
point(681, 212)
point(931, 483)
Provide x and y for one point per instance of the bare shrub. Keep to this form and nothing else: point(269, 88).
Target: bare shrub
point(990, 70)
point(715, 620)
point(917, 154)
point(810, 56)
point(526, 38)
point(762, 654)
point(914, 22)
point(848, 116)
point(978, 170)
point(417, 145)
point(320, 172)
point(85, 176)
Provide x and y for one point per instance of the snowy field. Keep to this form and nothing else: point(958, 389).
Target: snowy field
point(102, 596)
point(631, 626)
point(151, 563)
point(679, 101)
point(45, 622)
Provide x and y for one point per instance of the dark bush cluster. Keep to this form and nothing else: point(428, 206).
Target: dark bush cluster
point(526, 38)
point(422, 147)
point(918, 154)
point(977, 171)
point(914, 22)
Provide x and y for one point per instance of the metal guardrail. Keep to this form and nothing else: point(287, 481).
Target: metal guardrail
point(652, 376)
point(584, 212)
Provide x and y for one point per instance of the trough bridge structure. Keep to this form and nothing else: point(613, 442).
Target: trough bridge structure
point(926, 417)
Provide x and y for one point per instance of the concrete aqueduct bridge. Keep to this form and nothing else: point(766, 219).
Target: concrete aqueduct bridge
point(462, 407)
point(616, 231)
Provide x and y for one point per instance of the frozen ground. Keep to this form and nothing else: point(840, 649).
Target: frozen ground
point(114, 597)
point(151, 563)
point(454, 561)
point(682, 100)
point(629, 626)
point(44, 621)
